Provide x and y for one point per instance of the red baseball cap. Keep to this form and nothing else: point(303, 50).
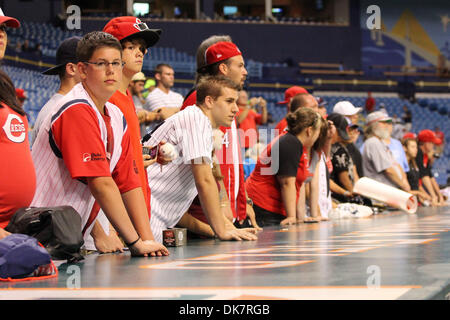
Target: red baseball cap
point(8, 21)
point(409, 135)
point(221, 51)
point(20, 93)
point(428, 136)
point(292, 92)
point(128, 28)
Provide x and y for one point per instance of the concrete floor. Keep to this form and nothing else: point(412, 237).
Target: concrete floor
point(392, 255)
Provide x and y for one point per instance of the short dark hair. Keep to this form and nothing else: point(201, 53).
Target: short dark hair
point(141, 41)
point(298, 101)
point(212, 86)
point(159, 67)
point(93, 41)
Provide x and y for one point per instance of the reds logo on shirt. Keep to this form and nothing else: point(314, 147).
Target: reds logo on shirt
point(14, 128)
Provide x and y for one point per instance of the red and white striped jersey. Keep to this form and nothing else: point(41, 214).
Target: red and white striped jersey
point(76, 141)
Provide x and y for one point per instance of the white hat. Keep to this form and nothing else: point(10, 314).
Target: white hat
point(345, 108)
point(140, 76)
point(377, 116)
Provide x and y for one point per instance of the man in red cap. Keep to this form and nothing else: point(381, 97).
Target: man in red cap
point(218, 55)
point(425, 157)
point(135, 37)
point(21, 96)
point(289, 94)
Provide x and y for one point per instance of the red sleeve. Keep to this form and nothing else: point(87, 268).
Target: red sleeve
point(190, 100)
point(258, 118)
point(76, 133)
point(125, 174)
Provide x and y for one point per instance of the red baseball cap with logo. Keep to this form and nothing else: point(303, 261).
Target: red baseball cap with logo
point(8, 21)
point(428, 136)
point(292, 92)
point(21, 94)
point(128, 28)
point(221, 51)
point(409, 135)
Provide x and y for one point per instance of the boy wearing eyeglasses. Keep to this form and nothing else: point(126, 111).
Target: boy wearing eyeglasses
point(83, 155)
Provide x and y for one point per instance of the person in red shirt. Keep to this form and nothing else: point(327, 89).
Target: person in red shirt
point(16, 170)
point(427, 141)
point(18, 177)
point(248, 119)
point(289, 94)
point(274, 185)
point(135, 38)
point(370, 103)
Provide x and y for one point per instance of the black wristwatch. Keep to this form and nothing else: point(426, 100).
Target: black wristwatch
point(250, 201)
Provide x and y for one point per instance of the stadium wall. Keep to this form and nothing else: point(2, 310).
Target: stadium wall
point(267, 42)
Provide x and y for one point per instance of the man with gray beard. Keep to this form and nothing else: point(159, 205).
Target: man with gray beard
point(378, 162)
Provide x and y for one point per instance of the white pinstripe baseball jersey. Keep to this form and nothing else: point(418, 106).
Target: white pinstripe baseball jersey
point(173, 185)
point(75, 142)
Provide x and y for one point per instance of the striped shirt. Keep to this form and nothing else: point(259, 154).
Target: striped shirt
point(159, 99)
point(173, 185)
point(76, 141)
point(45, 111)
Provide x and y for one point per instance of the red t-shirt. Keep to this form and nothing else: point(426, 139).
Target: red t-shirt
point(17, 174)
point(281, 126)
point(263, 188)
point(126, 105)
point(370, 104)
point(249, 123)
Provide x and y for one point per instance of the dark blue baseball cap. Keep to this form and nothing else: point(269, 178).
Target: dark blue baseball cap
point(66, 53)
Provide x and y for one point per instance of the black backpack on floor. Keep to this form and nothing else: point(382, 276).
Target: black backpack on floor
point(58, 229)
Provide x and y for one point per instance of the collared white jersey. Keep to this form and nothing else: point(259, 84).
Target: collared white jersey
point(173, 185)
point(57, 184)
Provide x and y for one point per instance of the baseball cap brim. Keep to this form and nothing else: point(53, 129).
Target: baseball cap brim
point(355, 111)
point(54, 70)
point(9, 22)
point(150, 36)
point(343, 134)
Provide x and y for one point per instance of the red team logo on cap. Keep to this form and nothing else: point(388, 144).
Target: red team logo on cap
point(14, 128)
